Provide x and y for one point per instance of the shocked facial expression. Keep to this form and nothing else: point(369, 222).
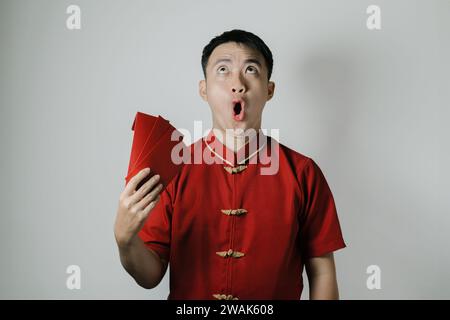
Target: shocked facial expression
point(236, 87)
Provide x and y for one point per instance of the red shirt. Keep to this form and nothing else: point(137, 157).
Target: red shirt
point(239, 234)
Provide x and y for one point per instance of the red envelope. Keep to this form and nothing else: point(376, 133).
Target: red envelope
point(156, 151)
point(141, 122)
point(159, 129)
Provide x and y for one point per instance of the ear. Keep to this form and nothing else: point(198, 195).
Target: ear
point(202, 89)
point(270, 90)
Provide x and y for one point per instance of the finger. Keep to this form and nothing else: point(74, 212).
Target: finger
point(149, 197)
point(144, 189)
point(144, 213)
point(131, 185)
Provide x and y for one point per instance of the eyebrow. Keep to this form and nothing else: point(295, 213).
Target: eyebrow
point(249, 60)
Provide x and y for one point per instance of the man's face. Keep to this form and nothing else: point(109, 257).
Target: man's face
point(236, 86)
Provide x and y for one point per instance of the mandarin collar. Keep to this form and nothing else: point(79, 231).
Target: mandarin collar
point(243, 155)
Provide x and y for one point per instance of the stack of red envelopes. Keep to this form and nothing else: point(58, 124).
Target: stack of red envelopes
point(152, 148)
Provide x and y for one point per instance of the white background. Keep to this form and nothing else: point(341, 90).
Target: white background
point(370, 107)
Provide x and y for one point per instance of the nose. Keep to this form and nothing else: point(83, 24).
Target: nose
point(238, 85)
point(238, 89)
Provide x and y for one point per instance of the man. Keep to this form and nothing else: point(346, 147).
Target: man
point(228, 230)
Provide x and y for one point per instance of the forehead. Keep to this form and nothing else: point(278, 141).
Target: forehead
point(234, 51)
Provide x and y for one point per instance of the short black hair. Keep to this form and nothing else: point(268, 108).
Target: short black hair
point(243, 37)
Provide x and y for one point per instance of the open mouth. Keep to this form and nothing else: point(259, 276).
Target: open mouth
point(238, 110)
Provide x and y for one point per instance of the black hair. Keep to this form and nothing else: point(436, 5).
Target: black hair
point(243, 37)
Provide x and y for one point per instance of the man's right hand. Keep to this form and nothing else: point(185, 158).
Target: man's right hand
point(135, 206)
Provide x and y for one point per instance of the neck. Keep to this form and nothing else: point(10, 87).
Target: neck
point(234, 141)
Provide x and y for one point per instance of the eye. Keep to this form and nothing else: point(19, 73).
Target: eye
point(252, 69)
point(222, 69)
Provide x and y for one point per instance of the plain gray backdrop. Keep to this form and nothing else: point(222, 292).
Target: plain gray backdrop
point(371, 107)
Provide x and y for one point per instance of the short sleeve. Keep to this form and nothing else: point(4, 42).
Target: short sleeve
point(320, 231)
point(156, 232)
